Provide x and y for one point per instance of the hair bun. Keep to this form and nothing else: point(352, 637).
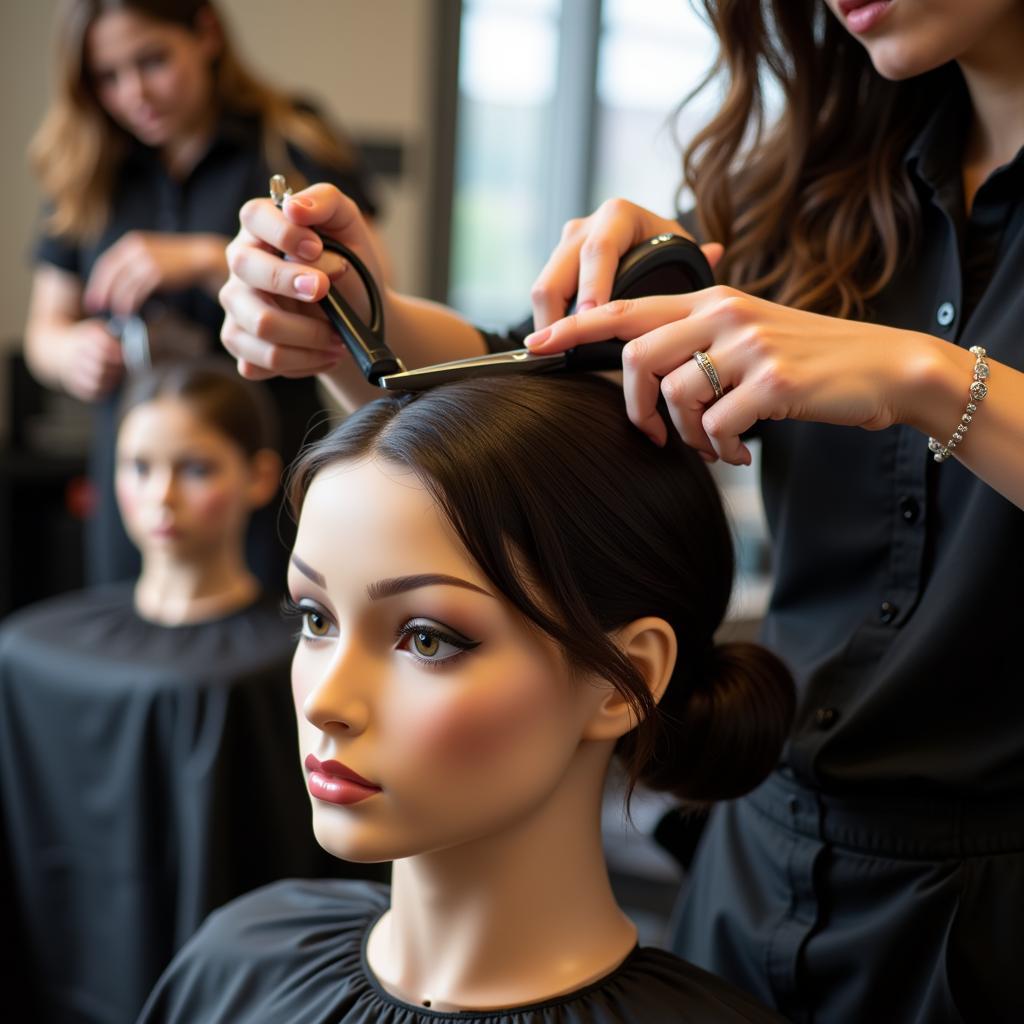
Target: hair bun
point(724, 736)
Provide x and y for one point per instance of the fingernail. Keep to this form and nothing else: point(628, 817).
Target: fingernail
point(306, 204)
point(538, 338)
point(308, 250)
point(584, 306)
point(305, 285)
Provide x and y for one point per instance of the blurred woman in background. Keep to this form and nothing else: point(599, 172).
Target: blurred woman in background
point(155, 135)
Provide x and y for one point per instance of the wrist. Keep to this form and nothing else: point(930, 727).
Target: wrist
point(933, 385)
point(214, 262)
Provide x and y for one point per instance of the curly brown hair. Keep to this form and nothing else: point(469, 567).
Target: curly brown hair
point(815, 210)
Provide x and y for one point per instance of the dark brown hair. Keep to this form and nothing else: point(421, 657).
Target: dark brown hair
point(817, 210)
point(239, 409)
point(77, 148)
point(585, 526)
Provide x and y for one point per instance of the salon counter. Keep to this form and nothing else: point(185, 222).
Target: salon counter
point(149, 774)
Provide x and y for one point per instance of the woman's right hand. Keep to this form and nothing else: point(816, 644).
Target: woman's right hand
point(273, 325)
point(91, 364)
point(585, 260)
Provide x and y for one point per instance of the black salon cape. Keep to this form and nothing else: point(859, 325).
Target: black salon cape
point(149, 774)
point(294, 953)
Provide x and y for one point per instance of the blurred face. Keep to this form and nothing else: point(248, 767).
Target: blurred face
point(909, 37)
point(153, 78)
point(184, 489)
point(430, 714)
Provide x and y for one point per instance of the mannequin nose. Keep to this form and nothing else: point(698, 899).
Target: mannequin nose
point(340, 699)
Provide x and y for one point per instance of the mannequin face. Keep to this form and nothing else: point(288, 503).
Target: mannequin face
point(153, 78)
point(184, 489)
point(462, 717)
point(909, 37)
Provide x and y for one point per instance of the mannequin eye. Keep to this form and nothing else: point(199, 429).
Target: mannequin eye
point(430, 644)
point(316, 625)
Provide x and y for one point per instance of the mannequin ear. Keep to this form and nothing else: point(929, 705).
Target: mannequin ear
point(650, 644)
point(265, 469)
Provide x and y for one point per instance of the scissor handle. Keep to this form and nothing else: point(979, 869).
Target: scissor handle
point(364, 341)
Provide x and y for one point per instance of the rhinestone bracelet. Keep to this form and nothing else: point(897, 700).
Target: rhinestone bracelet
point(979, 389)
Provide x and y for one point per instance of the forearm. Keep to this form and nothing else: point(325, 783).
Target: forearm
point(419, 333)
point(212, 264)
point(993, 445)
point(45, 348)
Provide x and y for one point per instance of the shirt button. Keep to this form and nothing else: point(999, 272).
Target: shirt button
point(825, 718)
point(909, 509)
point(945, 314)
point(887, 611)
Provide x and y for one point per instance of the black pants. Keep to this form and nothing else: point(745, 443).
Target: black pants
point(857, 911)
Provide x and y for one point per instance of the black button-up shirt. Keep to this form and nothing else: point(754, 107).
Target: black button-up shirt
point(899, 583)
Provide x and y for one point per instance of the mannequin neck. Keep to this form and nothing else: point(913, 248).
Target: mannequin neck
point(511, 918)
point(174, 592)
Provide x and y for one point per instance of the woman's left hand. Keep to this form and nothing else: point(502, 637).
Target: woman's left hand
point(142, 262)
point(772, 362)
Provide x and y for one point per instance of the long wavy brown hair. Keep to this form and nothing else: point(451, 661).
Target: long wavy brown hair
point(815, 210)
point(77, 148)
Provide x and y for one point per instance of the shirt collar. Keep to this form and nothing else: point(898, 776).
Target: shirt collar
point(934, 155)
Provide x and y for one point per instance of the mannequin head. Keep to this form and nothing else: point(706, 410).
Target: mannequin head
point(585, 572)
point(195, 458)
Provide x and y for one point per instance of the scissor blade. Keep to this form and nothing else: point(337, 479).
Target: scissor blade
point(495, 364)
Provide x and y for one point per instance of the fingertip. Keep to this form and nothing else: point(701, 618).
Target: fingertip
point(656, 431)
point(298, 201)
point(582, 307)
point(537, 339)
point(306, 286)
point(308, 250)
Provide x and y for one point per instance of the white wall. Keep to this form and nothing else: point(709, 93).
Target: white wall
point(369, 64)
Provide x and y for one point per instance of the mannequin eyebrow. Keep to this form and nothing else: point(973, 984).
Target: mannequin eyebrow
point(399, 584)
point(309, 572)
point(396, 584)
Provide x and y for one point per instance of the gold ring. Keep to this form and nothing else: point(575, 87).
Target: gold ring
point(704, 362)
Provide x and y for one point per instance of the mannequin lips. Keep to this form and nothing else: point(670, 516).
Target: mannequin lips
point(863, 15)
point(333, 782)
